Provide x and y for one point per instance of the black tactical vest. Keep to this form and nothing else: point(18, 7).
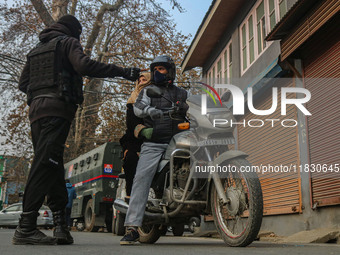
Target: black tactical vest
point(164, 130)
point(48, 78)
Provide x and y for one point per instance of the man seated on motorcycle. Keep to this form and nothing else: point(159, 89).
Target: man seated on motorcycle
point(158, 131)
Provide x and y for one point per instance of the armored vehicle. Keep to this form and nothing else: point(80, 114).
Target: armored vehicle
point(95, 178)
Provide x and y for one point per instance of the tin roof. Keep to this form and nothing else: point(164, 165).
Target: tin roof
point(290, 19)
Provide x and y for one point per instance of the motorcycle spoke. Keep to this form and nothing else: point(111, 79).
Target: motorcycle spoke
point(235, 224)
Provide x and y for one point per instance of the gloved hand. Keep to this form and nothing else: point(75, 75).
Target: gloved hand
point(182, 107)
point(147, 133)
point(131, 74)
point(156, 114)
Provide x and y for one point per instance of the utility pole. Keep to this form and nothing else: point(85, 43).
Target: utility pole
point(3, 182)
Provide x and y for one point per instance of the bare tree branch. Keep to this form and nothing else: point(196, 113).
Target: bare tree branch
point(59, 8)
point(98, 23)
point(73, 7)
point(40, 7)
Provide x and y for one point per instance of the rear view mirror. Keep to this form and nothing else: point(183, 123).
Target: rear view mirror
point(154, 92)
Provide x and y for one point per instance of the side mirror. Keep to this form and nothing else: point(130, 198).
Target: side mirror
point(154, 92)
point(226, 96)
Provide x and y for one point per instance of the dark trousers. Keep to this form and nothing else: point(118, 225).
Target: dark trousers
point(46, 177)
point(129, 166)
point(68, 216)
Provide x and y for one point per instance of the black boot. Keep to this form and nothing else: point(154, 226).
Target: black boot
point(27, 232)
point(61, 232)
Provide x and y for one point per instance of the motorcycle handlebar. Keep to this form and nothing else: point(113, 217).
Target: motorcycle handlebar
point(171, 111)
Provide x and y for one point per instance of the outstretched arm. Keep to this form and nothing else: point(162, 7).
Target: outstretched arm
point(84, 65)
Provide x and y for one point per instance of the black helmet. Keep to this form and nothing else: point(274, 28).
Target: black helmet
point(168, 63)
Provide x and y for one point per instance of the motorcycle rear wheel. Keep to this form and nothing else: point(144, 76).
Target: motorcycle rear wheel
point(238, 222)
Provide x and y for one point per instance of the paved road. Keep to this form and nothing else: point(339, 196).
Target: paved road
point(106, 243)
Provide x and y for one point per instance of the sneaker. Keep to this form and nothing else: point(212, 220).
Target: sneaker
point(131, 236)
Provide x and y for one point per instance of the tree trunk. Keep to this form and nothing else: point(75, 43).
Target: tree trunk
point(98, 23)
point(40, 7)
point(88, 119)
point(73, 7)
point(59, 8)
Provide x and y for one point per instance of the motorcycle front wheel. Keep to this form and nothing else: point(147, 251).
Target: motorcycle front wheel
point(149, 233)
point(238, 222)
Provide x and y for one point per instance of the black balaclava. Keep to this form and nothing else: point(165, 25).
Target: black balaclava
point(73, 24)
point(159, 77)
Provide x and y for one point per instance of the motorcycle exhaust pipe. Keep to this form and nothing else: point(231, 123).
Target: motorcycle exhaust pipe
point(123, 207)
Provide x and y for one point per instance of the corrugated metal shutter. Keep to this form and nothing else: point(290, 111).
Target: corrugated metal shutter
point(275, 146)
point(310, 25)
point(323, 125)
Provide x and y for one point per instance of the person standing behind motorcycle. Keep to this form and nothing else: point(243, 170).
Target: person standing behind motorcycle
point(52, 81)
point(131, 145)
point(71, 194)
point(158, 132)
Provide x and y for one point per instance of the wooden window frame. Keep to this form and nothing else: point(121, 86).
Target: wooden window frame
point(267, 26)
point(213, 74)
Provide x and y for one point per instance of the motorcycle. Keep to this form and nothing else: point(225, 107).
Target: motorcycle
point(200, 175)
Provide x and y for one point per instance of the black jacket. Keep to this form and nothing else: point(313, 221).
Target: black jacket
point(129, 141)
point(73, 58)
point(165, 129)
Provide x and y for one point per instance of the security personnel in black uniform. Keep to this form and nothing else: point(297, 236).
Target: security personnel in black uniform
point(52, 80)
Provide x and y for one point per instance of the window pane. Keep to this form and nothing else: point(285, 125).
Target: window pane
point(225, 60)
point(213, 76)
point(271, 5)
point(251, 51)
point(12, 208)
point(263, 33)
point(251, 39)
point(244, 40)
point(226, 76)
point(230, 55)
point(244, 52)
point(244, 47)
point(250, 27)
point(260, 12)
point(283, 8)
point(230, 72)
point(272, 21)
point(259, 39)
point(219, 66)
